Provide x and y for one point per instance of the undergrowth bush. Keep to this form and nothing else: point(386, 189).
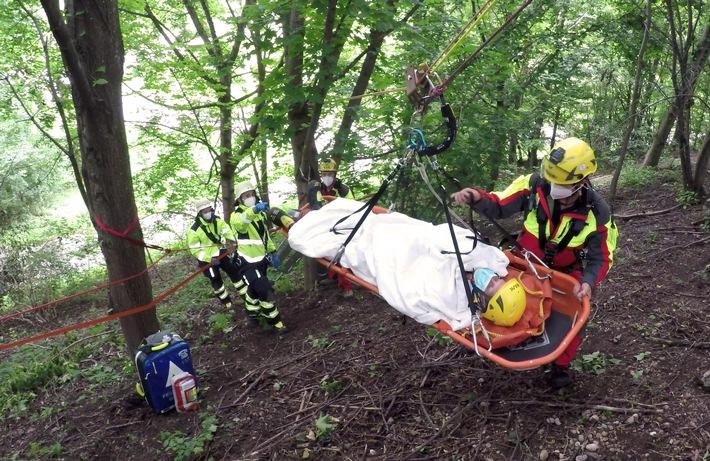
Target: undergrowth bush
point(635, 176)
point(185, 447)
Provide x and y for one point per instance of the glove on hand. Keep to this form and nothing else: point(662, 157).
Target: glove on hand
point(275, 261)
point(261, 206)
point(215, 261)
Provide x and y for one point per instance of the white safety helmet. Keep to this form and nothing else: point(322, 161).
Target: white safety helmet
point(244, 186)
point(202, 204)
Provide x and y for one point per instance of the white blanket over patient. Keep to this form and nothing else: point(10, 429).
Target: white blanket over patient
point(402, 256)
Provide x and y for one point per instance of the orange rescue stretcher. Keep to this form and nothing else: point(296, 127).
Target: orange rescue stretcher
point(567, 316)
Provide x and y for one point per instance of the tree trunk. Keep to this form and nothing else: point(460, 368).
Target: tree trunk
point(226, 160)
point(633, 105)
point(363, 80)
point(555, 122)
point(702, 166)
point(92, 51)
point(694, 69)
point(653, 155)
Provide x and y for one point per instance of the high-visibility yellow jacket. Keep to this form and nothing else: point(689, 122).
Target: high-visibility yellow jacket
point(584, 233)
point(205, 239)
point(252, 232)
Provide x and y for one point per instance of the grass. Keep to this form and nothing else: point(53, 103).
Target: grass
point(637, 177)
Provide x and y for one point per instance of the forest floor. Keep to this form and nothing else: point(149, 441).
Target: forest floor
point(353, 380)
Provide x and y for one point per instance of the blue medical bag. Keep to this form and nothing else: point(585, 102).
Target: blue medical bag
point(160, 358)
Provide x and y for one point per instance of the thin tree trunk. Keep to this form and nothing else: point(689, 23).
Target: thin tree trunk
point(70, 150)
point(90, 40)
point(653, 155)
point(377, 37)
point(694, 69)
point(227, 162)
point(702, 166)
point(555, 123)
point(633, 105)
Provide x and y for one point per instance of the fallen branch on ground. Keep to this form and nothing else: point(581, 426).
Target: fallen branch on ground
point(682, 343)
point(246, 391)
point(696, 242)
point(582, 405)
point(645, 213)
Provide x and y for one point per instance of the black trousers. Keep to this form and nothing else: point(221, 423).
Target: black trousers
point(254, 275)
point(213, 274)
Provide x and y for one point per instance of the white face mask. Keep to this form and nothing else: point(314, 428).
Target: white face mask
point(207, 216)
point(328, 180)
point(558, 191)
point(250, 201)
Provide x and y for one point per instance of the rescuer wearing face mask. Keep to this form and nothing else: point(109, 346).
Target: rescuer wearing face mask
point(255, 252)
point(211, 241)
point(330, 186)
point(567, 223)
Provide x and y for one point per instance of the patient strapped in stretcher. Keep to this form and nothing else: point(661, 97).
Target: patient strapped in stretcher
point(413, 265)
point(515, 306)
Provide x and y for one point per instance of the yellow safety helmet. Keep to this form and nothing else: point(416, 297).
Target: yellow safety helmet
point(570, 161)
point(202, 204)
point(507, 305)
point(244, 186)
point(327, 165)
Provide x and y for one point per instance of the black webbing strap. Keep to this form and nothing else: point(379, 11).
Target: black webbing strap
point(550, 250)
point(368, 206)
point(469, 288)
point(209, 235)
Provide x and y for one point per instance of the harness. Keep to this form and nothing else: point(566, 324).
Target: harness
point(210, 235)
point(551, 249)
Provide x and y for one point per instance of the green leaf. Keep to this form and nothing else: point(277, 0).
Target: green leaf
point(641, 356)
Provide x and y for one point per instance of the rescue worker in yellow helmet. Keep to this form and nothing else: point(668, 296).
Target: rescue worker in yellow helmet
point(567, 223)
point(255, 251)
point(329, 185)
point(211, 240)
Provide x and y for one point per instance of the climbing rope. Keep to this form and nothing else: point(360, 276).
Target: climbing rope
point(462, 34)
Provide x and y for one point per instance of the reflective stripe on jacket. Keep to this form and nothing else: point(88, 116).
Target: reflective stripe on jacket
point(251, 229)
point(201, 245)
point(597, 236)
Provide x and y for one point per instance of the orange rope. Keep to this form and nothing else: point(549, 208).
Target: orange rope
point(106, 318)
point(19, 313)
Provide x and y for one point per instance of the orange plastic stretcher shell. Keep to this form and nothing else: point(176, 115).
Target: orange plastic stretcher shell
point(564, 302)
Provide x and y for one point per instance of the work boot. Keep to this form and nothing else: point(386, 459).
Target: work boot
point(348, 293)
point(559, 377)
point(280, 327)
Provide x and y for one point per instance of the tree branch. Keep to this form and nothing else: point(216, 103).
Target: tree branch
point(200, 28)
point(70, 55)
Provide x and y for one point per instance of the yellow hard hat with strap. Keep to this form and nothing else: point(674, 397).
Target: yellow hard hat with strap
point(327, 165)
point(507, 305)
point(570, 161)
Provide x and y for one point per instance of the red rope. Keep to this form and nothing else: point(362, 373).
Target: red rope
point(106, 318)
point(80, 293)
point(124, 235)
